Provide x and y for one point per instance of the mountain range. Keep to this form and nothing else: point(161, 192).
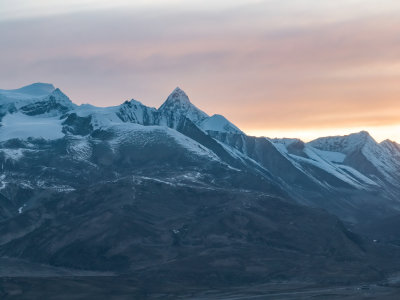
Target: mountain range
point(175, 195)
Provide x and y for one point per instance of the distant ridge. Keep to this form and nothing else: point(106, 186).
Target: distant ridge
point(35, 89)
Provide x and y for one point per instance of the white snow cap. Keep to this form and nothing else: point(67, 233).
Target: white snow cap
point(61, 98)
point(25, 95)
point(219, 123)
point(344, 144)
point(178, 103)
point(36, 89)
point(178, 96)
point(177, 100)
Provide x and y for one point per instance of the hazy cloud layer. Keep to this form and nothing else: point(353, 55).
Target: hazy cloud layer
point(273, 67)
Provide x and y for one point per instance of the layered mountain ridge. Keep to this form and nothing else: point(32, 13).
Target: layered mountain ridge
point(133, 189)
point(349, 168)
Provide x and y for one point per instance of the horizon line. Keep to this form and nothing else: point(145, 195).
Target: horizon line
point(306, 134)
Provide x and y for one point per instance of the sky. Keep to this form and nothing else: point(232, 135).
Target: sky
point(276, 68)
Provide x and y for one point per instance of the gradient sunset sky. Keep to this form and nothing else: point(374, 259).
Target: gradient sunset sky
point(277, 68)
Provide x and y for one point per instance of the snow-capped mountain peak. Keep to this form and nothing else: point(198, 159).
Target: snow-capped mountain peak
point(12, 100)
point(56, 102)
point(132, 102)
point(177, 106)
point(364, 154)
point(390, 142)
point(135, 112)
point(392, 147)
point(34, 90)
point(177, 100)
point(180, 94)
point(28, 97)
point(344, 144)
point(60, 97)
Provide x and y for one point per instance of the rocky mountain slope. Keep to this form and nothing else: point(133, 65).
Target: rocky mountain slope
point(174, 194)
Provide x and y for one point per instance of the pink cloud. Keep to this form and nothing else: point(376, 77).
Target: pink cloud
point(259, 69)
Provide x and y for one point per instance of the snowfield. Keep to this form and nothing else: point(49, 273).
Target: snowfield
point(21, 126)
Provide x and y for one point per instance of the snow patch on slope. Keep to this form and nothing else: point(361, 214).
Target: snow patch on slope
point(12, 154)
point(192, 145)
point(3, 184)
point(379, 155)
point(219, 123)
point(21, 126)
point(358, 175)
point(79, 148)
point(101, 116)
point(330, 168)
point(129, 132)
point(331, 156)
point(328, 161)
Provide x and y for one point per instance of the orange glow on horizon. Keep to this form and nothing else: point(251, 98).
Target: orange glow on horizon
point(379, 133)
point(298, 68)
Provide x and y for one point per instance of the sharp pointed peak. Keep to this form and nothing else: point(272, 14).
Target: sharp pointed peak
point(177, 89)
point(60, 97)
point(178, 98)
point(178, 104)
point(58, 93)
point(179, 94)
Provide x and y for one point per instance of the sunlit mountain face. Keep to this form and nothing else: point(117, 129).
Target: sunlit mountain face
point(199, 149)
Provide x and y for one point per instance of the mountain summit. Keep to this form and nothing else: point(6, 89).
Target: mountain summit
point(177, 97)
point(346, 144)
point(36, 89)
point(178, 106)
